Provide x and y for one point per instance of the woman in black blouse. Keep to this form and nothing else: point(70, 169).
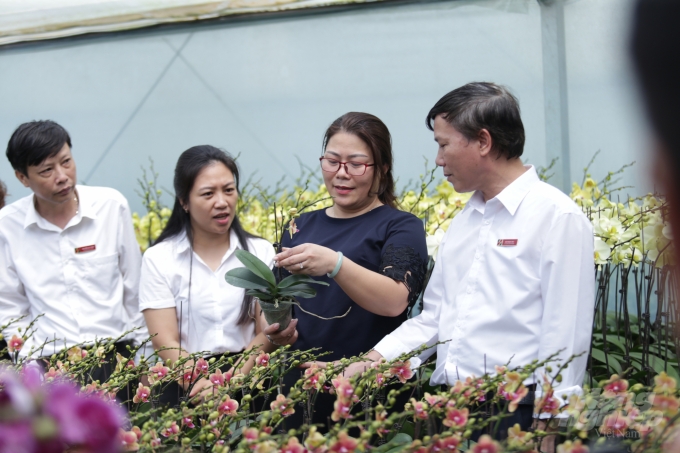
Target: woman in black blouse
point(372, 254)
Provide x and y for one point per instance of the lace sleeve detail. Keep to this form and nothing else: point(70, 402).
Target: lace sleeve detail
point(403, 264)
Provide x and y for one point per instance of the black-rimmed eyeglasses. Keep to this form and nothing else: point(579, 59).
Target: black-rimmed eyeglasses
point(352, 168)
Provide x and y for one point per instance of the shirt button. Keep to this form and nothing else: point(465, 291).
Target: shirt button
point(477, 256)
point(469, 290)
point(486, 222)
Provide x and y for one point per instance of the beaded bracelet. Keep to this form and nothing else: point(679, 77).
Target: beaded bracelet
point(338, 265)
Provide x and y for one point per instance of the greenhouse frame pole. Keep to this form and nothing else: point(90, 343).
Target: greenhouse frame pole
point(555, 92)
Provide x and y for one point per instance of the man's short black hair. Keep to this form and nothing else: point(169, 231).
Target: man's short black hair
point(655, 46)
point(33, 142)
point(483, 105)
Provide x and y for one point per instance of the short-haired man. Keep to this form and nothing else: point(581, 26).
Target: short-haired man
point(514, 274)
point(67, 252)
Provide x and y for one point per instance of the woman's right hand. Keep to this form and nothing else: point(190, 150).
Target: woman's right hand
point(289, 335)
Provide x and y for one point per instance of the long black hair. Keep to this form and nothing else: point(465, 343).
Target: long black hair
point(189, 165)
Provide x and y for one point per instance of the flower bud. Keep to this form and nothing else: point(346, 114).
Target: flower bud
point(186, 441)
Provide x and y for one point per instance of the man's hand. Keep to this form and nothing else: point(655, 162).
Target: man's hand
point(203, 388)
point(353, 368)
point(289, 335)
point(547, 442)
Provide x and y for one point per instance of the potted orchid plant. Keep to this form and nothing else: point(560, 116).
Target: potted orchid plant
point(276, 299)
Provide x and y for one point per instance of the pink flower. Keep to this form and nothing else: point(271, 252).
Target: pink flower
point(486, 445)
point(171, 431)
point(615, 424)
point(202, 366)
point(15, 344)
point(450, 444)
point(456, 418)
point(314, 378)
point(262, 359)
point(218, 379)
point(380, 379)
point(189, 376)
point(52, 374)
point(341, 409)
point(547, 404)
point(402, 370)
point(344, 443)
point(251, 434)
point(343, 387)
point(666, 404)
point(128, 440)
point(515, 397)
point(157, 373)
point(228, 406)
point(142, 395)
point(419, 410)
point(84, 421)
point(572, 447)
point(188, 422)
point(282, 404)
point(155, 440)
point(434, 400)
point(293, 446)
point(615, 386)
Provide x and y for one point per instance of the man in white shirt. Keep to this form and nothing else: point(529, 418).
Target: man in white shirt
point(67, 252)
point(514, 275)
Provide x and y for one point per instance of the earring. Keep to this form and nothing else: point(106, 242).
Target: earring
point(186, 210)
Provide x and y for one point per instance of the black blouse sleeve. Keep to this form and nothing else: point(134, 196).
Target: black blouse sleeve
point(404, 256)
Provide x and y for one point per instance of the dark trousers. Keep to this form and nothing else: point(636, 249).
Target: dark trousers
point(5, 356)
point(103, 372)
point(498, 430)
point(172, 394)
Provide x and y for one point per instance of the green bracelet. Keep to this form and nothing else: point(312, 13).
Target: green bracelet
point(338, 265)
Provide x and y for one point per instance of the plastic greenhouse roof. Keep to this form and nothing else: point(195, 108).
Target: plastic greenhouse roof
point(34, 20)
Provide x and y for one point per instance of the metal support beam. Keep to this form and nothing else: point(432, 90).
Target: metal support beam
point(555, 91)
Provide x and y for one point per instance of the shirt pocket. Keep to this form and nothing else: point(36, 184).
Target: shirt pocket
point(100, 278)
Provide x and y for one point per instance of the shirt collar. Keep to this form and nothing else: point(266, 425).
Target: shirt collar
point(510, 197)
point(86, 203)
point(85, 209)
point(182, 243)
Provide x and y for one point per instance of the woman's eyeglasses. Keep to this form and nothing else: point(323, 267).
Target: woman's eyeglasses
point(352, 168)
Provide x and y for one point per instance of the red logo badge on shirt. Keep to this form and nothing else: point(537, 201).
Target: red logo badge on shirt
point(506, 242)
point(87, 248)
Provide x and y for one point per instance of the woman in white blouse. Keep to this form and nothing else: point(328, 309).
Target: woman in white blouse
point(183, 294)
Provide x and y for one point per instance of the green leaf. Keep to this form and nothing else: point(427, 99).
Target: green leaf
point(609, 358)
point(256, 266)
point(299, 292)
point(611, 338)
point(266, 297)
point(658, 364)
point(297, 280)
point(396, 444)
point(242, 277)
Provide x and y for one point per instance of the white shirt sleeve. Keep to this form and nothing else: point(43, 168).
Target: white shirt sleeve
point(424, 328)
point(13, 301)
point(154, 288)
point(568, 293)
point(129, 262)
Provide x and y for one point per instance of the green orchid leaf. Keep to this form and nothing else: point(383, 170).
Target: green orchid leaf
point(242, 277)
point(305, 293)
point(294, 280)
point(256, 265)
point(266, 297)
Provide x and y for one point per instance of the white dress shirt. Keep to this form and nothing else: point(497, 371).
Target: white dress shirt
point(84, 278)
point(208, 317)
point(513, 281)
